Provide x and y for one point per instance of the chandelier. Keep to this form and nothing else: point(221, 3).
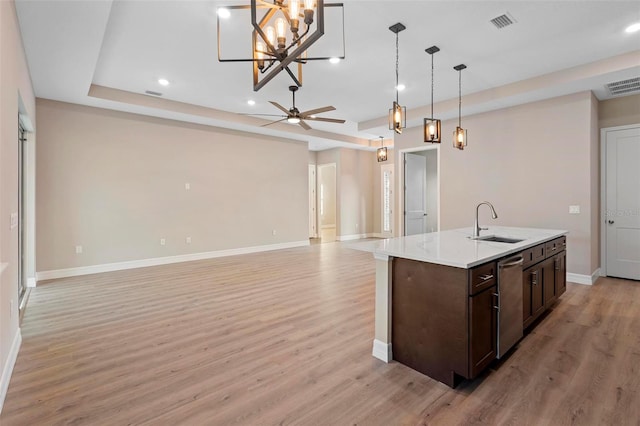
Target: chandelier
point(283, 31)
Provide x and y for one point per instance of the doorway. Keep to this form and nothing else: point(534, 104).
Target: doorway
point(312, 201)
point(420, 195)
point(620, 149)
point(386, 184)
point(22, 284)
point(327, 202)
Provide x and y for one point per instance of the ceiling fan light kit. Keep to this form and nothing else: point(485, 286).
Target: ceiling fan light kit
point(432, 126)
point(283, 31)
point(397, 113)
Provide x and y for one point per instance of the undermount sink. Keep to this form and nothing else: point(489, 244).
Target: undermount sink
point(497, 239)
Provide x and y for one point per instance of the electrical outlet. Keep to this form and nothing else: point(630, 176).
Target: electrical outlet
point(188, 240)
point(14, 220)
point(187, 186)
point(574, 209)
point(163, 241)
point(78, 249)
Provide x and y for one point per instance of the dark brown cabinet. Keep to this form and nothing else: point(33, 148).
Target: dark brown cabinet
point(544, 281)
point(483, 330)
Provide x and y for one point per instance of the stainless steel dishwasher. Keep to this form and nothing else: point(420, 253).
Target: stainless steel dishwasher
point(509, 303)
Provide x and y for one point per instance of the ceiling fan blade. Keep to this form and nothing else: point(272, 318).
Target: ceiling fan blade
point(273, 122)
point(263, 115)
point(328, 120)
point(318, 110)
point(304, 125)
point(280, 107)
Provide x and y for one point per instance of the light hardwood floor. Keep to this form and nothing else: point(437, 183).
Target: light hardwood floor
point(285, 337)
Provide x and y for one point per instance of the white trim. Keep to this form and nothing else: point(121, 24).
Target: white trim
point(31, 282)
point(378, 235)
point(382, 350)
point(353, 237)
point(109, 267)
point(583, 279)
point(7, 369)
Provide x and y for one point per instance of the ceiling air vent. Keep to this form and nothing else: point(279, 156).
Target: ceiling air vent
point(503, 21)
point(151, 92)
point(624, 86)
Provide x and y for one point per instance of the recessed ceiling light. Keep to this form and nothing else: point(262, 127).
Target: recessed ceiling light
point(163, 82)
point(224, 13)
point(401, 87)
point(633, 28)
point(334, 60)
point(251, 102)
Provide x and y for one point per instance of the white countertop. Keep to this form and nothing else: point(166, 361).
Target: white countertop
point(455, 248)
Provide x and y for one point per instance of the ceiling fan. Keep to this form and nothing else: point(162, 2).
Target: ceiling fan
point(294, 116)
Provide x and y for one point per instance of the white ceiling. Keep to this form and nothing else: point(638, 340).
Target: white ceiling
point(555, 48)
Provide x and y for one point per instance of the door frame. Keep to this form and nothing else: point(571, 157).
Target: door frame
point(400, 184)
point(313, 201)
point(319, 225)
point(603, 192)
point(384, 167)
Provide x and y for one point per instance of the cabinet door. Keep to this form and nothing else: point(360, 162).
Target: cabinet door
point(532, 296)
point(483, 330)
point(561, 272)
point(549, 281)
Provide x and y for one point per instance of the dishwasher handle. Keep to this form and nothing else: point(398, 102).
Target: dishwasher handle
point(514, 261)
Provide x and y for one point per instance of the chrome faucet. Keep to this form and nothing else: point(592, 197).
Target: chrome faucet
point(476, 227)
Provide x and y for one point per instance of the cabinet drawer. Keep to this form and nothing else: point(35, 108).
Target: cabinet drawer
point(533, 255)
point(481, 277)
point(556, 246)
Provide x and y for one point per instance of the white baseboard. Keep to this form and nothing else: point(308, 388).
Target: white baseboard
point(119, 266)
point(382, 350)
point(583, 279)
point(356, 237)
point(31, 282)
point(7, 369)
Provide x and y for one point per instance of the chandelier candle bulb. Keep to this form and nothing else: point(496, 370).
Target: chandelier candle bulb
point(260, 49)
point(309, 6)
point(271, 35)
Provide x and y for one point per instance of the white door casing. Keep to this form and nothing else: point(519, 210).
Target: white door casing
point(621, 195)
point(386, 200)
point(415, 203)
point(312, 202)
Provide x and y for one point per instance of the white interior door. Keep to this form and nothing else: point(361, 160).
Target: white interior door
point(622, 210)
point(386, 198)
point(415, 203)
point(313, 233)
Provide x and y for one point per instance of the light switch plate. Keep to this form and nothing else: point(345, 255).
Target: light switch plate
point(574, 209)
point(14, 220)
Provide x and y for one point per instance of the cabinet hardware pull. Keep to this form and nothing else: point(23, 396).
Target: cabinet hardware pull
point(485, 277)
point(557, 264)
point(553, 248)
point(534, 277)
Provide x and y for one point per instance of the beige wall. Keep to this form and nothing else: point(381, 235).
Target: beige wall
point(312, 157)
point(15, 83)
point(531, 161)
point(355, 173)
point(115, 183)
point(619, 111)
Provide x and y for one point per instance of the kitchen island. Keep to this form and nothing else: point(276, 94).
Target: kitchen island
point(440, 307)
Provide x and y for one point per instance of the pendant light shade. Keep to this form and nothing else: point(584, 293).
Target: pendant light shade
point(398, 113)
point(432, 126)
point(382, 151)
point(460, 134)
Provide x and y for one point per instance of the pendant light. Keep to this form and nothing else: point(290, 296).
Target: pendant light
point(432, 126)
point(382, 151)
point(460, 134)
point(398, 113)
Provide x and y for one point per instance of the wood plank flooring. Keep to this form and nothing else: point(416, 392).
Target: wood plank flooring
point(285, 337)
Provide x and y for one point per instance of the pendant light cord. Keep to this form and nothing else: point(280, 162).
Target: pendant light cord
point(397, 63)
point(432, 85)
point(459, 98)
